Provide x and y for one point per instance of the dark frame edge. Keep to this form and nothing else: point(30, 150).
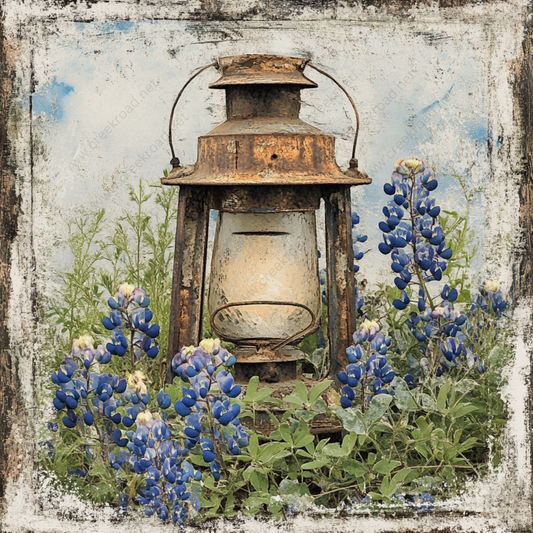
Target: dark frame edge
point(10, 201)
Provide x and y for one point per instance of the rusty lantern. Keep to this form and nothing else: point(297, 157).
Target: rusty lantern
point(265, 171)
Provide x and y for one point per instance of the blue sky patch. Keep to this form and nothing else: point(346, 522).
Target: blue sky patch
point(49, 99)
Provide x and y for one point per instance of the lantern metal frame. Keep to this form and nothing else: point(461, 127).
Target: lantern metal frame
point(213, 184)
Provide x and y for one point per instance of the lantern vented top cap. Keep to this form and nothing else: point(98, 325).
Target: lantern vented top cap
point(262, 70)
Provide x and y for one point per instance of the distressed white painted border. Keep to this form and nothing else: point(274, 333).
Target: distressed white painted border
point(503, 497)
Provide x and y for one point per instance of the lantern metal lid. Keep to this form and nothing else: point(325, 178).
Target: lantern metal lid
point(263, 70)
point(264, 141)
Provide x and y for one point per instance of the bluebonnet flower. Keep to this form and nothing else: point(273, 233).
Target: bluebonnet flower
point(357, 237)
point(166, 471)
point(491, 297)
point(210, 417)
point(49, 447)
point(113, 411)
point(163, 400)
point(417, 244)
point(367, 371)
point(130, 313)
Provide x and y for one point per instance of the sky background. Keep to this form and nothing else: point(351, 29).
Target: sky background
point(104, 93)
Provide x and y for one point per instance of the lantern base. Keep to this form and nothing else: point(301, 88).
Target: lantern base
point(269, 366)
point(320, 424)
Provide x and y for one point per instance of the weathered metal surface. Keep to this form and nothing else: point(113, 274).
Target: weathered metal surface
point(263, 141)
point(270, 158)
point(189, 272)
point(262, 69)
point(273, 342)
point(277, 365)
point(175, 162)
point(320, 425)
point(271, 199)
point(340, 277)
point(247, 101)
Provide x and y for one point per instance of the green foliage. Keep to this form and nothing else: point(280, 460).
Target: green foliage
point(428, 439)
point(138, 250)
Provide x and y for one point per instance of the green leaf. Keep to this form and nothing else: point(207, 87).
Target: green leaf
point(404, 399)
point(285, 431)
point(197, 460)
point(255, 501)
point(349, 442)
point(288, 486)
point(464, 296)
point(304, 441)
point(317, 390)
point(293, 399)
point(262, 394)
point(443, 395)
point(281, 455)
point(305, 454)
point(400, 476)
point(385, 466)
point(253, 445)
point(319, 406)
point(463, 409)
point(259, 481)
point(351, 418)
point(268, 451)
point(387, 488)
point(467, 444)
point(175, 393)
point(354, 467)
point(378, 407)
point(251, 389)
point(427, 402)
point(465, 385)
point(303, 414)
point(333, 450)
point(321, 444)
point(319, 463)
point(301, 391)
point(422, 450)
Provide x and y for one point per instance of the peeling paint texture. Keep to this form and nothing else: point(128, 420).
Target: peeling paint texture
point(85, 93)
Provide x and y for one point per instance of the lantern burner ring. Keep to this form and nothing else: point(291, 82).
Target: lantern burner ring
point(265, 347)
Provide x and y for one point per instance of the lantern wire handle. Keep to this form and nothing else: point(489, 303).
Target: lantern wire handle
point(264, 302)
point(175, 162)
point(349, 98)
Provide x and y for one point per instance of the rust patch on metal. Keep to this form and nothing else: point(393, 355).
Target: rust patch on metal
point(190, 254)
point(266, 158)
point(263, 141)
point(272, 199)
point(340, 279)
point(262, 69)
